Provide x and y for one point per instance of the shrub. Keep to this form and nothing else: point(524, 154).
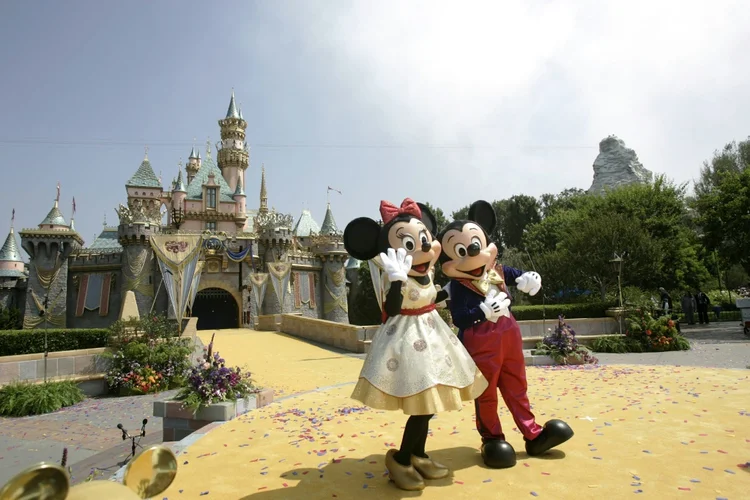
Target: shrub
point(645, 334)
point(20, 399)
point(10, 318)
point(570, 311)
point(14, 342)
point(561, 345)
point(211, 381)
point(147, 356)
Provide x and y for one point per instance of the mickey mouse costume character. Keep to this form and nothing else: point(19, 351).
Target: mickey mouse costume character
point(416, 364)
point(479, 305)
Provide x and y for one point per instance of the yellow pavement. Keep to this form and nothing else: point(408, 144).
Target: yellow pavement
point(655, 432)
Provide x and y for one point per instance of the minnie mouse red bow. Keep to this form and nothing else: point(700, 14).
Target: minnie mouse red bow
point(389, 211)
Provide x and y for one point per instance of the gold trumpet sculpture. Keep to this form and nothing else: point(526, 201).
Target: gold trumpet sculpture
point(147, 475)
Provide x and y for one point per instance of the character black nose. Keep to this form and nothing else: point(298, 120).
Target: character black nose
point(473, 249)
point(426, 246)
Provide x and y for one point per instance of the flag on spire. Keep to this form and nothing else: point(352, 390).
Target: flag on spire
point(74, 205)
point(13, 217)
point(331, 189)
point(58, 191)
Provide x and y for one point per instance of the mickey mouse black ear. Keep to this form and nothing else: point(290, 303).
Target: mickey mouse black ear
point(428, 218)
point(361, 238)
point(483, 214)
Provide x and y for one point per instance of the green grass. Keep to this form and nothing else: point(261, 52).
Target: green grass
point(20, 399)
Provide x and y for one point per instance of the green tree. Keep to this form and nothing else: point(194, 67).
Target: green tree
point(440, 217)
point(724, 216)
point(565, 200)
point(733, 158)
point(519, 212)
point(365, 309)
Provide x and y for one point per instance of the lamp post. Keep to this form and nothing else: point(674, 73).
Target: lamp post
point(178, 217)
point(617, 264)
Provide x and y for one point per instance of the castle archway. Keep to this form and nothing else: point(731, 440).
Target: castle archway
point(215, 309)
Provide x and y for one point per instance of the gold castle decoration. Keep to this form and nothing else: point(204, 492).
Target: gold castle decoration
point(259, 282)
point(140, 212)
point(337, 278)
point(273, 220)
point(46, 278)
point(134, 279)
point(178, 256)
point(280, 274)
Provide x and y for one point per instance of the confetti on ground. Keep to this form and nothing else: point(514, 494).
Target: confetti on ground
point(319, 441)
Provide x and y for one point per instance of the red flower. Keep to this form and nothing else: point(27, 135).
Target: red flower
point(648, 332)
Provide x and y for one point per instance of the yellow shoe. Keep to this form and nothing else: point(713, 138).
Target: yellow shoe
point(428, 468)
point(404, 476)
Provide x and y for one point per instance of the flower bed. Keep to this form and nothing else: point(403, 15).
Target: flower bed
point(147, 356)
point(645, 334)
point(214, 392)
point(562, 346)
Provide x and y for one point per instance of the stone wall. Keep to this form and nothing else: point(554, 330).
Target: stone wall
point(45, 259)
point(60, 365)
point(582, 326)
point(139, 263)
point(344, 336)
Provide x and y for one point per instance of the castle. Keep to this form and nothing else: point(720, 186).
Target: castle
point(253, 261)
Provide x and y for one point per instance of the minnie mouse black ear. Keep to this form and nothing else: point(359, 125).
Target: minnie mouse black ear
point(428, 218)
point(483, 214)
point(361, 238)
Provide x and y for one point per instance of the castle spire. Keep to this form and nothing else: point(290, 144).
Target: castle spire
point(232, 111)
point(9, 252)
point(329, 224)
point(263, 193)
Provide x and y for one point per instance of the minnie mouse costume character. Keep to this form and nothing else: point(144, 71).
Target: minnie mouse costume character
point(416, 363)
point(479, 305)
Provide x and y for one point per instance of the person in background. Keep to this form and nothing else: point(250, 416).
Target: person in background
point(666, 301)
point(688, 307)
point(702, 301)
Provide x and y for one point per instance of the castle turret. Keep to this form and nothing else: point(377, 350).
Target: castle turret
point(193, 164)
point(233, 157)
point(241, 208)
point(49, 247)
point(138, 221)
point(179, 193)
point(263, 207)
point(329, 246)
point(11, 263)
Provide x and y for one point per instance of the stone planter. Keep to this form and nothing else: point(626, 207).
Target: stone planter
point(179, 422)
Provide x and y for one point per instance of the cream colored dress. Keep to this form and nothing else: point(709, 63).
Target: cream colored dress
point(416, 363)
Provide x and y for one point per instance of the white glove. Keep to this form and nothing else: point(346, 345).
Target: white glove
point(396, 264)
point(495, 305)
point(447, 289)
point(529, 283)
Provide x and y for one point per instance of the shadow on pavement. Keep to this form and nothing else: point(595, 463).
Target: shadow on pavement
point(350, 478)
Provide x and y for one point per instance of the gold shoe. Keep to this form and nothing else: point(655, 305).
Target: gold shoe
point(428, 468)
point(405, 477)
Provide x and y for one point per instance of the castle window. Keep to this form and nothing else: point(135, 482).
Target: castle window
point(211, 198)
point(211, 225)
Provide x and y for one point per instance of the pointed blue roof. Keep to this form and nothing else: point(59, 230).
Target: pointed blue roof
point(240, 191)
point(329, 224)
point(106, 242)
point(208, 167)
point(10, 251)
point(232, 111)
point(144, 176)
point(54, 217)
point(306, 225)
point(179, 186)
point(193, 153)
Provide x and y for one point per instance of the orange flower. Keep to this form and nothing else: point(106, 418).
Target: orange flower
point(648, 332)
point(670, 323)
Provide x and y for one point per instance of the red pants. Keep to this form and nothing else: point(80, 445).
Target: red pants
point(497, 350)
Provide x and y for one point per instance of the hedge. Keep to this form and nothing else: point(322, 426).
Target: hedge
point(15, 342)
point(552, 311)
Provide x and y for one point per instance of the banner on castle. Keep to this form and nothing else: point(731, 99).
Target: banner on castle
point(196, 282)
point(259, 282)
point(178, 256)
point(280, 274)
point(238, 256)
point(93, 293)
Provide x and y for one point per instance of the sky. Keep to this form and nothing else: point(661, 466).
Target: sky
point(444, 102)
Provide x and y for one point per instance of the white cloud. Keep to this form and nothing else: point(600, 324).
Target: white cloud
point(668, 77)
